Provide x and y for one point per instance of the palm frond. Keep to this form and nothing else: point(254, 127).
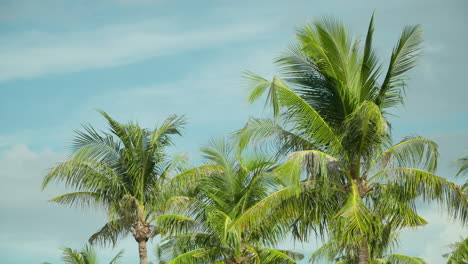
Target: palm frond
point(71, 256)
point(417, 152)
point(403, 259)
point(392, 206)
point(111, 232)
point(275, 256)
point(316, 88)
point(171, 126)
point(404, 58)
point(327, 253)
point(258, 85)
point(364, 131)
point(296, 111)
point(328, 44)
point(370, 69)
point(178, 164)
point(91, 145)
point(218, 152)
point(355, 221)
point(318, 165)
point(420, 183)
point(188, 257)
point(118, 129)
point(84, 175)
point(305, 118)
point(264, 131)
point(189, 178)
point(254, 216)
point(173, 224)
point(462, 163)
point(82, 199)
point(117, 257)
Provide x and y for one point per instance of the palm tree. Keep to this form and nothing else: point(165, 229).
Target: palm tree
point(344, 177)
point(219, 202)
point(86, 256)
point(127, 173)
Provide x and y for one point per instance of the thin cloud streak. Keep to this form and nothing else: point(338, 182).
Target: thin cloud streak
point(39, 53)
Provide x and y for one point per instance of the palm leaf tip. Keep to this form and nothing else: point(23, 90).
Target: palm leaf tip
point(404, 57)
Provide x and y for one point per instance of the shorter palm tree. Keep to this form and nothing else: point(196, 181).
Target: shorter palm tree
point(86, 256)
point(127, 173)
point(219, 202)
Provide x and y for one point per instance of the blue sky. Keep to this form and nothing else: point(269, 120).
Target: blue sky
point(143, 60)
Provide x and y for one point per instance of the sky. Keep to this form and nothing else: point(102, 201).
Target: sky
point(143, 60)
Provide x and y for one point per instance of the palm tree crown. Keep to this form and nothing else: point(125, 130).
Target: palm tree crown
point(218, 204)
point(86, 256)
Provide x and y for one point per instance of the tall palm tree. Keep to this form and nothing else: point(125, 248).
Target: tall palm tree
point(127, 173)
point(86, 256)
point(219, 202)
point(344, 177)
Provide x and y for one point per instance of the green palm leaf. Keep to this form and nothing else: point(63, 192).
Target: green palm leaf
point(420, 183)
point(410, 152)
point(273, 256)
point(296, 110)
point(403, 259)
point(463, 166)
point(404, 57)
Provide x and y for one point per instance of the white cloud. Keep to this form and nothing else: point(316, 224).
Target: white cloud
point(35, 227)
point(431, 241)
point(22, 171)
point(38, 53)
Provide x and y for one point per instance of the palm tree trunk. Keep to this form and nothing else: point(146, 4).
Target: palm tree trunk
point(141, 233)
point(363, 253)
point(143, 252)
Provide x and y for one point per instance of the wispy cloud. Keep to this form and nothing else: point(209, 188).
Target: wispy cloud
point(45, 226)
point(38, 53)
